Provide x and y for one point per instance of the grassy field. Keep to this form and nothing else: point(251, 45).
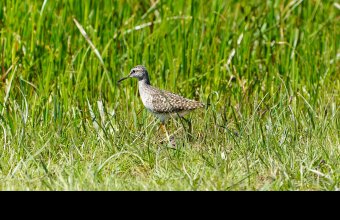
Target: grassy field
point(268, 69)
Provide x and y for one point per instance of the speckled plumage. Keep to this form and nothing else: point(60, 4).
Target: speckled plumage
point(162, 103)
point(165, 104)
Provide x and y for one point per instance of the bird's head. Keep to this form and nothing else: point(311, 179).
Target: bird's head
point(138, 72)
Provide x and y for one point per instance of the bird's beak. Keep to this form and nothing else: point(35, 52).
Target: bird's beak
point(124, 78)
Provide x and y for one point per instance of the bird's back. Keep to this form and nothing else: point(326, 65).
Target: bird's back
point(164, 102)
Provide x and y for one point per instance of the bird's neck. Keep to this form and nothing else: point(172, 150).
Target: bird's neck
point(144, 80)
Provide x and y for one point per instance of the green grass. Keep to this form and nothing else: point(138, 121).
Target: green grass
point(269, 69)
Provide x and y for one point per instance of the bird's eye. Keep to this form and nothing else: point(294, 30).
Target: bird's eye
point(133, 71)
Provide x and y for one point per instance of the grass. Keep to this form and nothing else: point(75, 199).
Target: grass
point(268, 69)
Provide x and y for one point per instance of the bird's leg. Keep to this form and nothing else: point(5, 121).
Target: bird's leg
point(171, 139)
point(165, 131)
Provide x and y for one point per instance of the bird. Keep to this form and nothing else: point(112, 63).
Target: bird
point(163, 104)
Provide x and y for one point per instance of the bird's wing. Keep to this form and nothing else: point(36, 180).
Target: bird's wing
point(167, 102)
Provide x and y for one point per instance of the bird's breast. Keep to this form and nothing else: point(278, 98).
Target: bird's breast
point(146, 97)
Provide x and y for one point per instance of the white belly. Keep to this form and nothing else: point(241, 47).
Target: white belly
point(146, 98)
